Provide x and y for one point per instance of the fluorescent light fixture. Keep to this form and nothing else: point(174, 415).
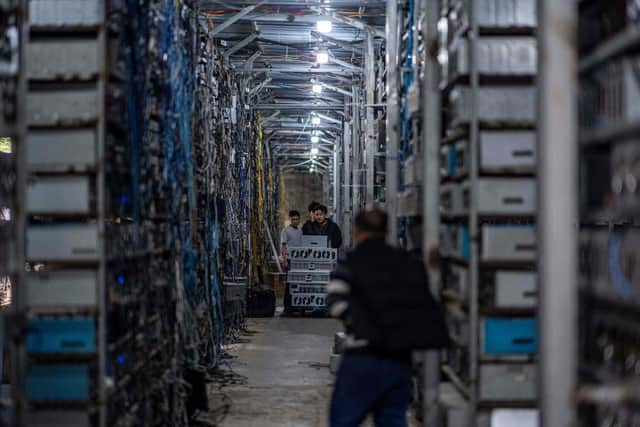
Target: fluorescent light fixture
point(314, 157)
point(315, 139)
point(316, 88)
point(314, 151)
point(324, 26)
point(322, 57)
point(315, 120)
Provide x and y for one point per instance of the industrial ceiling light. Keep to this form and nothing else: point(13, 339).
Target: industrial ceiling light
point(315, 120)
point(322, 58)
point(315, 139)
point(314, 151)
point(324, 26)
point(316, 88)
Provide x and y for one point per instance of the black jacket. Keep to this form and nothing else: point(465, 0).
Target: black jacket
point(306, 227)
point(329, 229)
point(382, 295)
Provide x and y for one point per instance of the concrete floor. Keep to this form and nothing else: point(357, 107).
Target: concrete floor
point(279, 376)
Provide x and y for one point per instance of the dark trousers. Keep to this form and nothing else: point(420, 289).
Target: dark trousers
point(368, 384)
point(287, 298)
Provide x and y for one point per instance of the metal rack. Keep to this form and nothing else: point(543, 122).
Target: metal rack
point(12, 174)
point(65, 251)
point(488, 206)
point(608, 49)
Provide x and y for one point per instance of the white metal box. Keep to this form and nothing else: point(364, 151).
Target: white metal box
point(514, 417)
point(59, 194)
point(62, 107)
point(500, 13)
point(495, 104)
point(515, 289)
point(66, 242)
point(508, 243)
point(62, 288)
point(61, 149)
point(497, 196)
point(495, 56)
point(507, 382)
point(62, 59)
point(65, 13)
point(507, 150)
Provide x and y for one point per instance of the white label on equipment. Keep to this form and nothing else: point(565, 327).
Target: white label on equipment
point(309, 300)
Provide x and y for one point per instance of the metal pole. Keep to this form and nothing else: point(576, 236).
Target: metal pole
point(346, 190)
point(370, 143)
point(393, 118)
point(474, 262)
point(356, 165)
point(431, 132)
point(557, 210)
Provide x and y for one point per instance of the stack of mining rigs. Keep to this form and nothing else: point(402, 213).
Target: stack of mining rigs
point(309, 275)
point(125, 118)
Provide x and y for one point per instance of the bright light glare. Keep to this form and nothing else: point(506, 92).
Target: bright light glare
point(315, 139)
point(324, 26)
point(316, 88)
point(314, 151)
point(322, 57)
point(315, 120)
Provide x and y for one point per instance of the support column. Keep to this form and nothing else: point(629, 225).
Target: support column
point(557, 210)
point(356, 165)
point(431, 192)
point(370, 142)
point(393, 119)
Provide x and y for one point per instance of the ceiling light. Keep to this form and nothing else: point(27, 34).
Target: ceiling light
point(315, 120)
point(314, 151)
point(324, 26)
point(315, 139)
point(314, 157)
point(316, 88)
point(322, 57)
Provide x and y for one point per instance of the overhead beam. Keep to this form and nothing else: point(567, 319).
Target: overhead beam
point(242, 43)
point(310, 69)
point(349, 21)
point(342, 44)
point(300, 107)
point(235, 18)
point(345, 64)
point(329, 118)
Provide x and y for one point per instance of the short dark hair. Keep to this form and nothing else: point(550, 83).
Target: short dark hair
point(322, 208)
point(293, 213)
point(372, 221)
point(313, 206)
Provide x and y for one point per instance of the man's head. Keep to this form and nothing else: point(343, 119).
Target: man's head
point(321, 214)
point(370, 224)
point(294, 218)
point(312, 209)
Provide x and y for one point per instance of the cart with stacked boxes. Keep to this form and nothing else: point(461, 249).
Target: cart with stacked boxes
point(309, 274)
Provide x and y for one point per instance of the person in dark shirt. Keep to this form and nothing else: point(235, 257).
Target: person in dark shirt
point(382, 296)
point(325, 227)
point(306, 227)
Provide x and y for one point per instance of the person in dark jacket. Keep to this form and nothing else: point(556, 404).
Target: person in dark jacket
point(306, 227)
point(382, 296)
point(325, 227)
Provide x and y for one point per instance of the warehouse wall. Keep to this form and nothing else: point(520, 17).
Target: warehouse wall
point(300, 190)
